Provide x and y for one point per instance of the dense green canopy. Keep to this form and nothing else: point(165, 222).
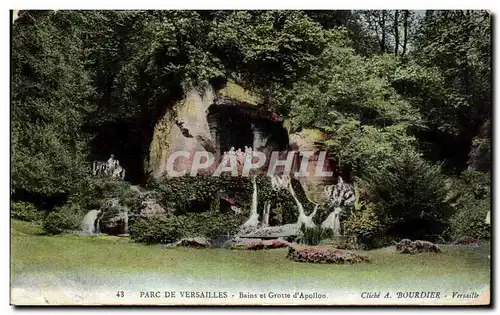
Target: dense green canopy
point(381, 84)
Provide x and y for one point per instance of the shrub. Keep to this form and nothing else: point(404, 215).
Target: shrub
point(212, 224)
point(471, 199)
point(329, 256)
point(25, 211)
point(92, 193)
point(266, 244)
point(157, 230)
point(313, 235)
point(365, 226)
point(169, 229)
point(65, 219)
point(409, 190)
point(469, 221)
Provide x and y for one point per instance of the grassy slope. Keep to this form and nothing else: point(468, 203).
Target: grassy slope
point(455, 267)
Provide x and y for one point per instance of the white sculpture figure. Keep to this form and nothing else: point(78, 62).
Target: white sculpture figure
point(235, 209)
point(240, 158)
point(338, 196)
point(248, 155)
point(111, 168)
point(99, 167)
point(110, 164)
point(225, 158)
point(118, 171)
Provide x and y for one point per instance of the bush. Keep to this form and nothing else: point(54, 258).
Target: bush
point(266, 244)
point(312, 236)
point(157, 230)
point(365, 226)
point(211, 224)
point(169, 229)
point(471, 198)
point(65, 219)
point(92, 193)
point(409, 190)
point(25, 211)
point(470, 221)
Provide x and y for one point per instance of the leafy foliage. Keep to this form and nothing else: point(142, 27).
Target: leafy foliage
point(471, 198)
point(50, 100)
point(169, 229)
point(65, 219)
point(25, 211)
point(154, 231)
point(312, 235)
point(408, 196)
point(363, 224)
point(383, 86)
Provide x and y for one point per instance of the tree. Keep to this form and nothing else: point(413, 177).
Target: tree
point(50, 100)
point(458, 45)
point(409, 196)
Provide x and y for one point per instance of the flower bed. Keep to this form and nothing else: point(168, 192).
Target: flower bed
point(267, 244)
point(325, 256)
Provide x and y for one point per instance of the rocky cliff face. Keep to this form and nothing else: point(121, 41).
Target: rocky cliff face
point(215, 121)
point(182, 128)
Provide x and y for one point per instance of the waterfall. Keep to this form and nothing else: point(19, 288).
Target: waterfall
point(125, 223)
point(267, 211)
point(89, 222)
point(253, 220)
point(333, 222)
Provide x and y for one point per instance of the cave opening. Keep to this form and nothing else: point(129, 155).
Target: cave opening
point(236, 124)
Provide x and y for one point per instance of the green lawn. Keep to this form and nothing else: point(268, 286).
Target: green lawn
point(456, 267)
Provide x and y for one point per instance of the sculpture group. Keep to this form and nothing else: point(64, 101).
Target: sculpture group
point(111, 168)
point(339, 197)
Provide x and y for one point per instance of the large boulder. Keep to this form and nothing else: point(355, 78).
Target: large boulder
point(309, 141)
point(151, 208)
point(114, 219)
point(406, 246)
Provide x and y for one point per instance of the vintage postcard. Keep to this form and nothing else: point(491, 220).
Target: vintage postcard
point(232, 157)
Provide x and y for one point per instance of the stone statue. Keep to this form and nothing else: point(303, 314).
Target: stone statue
point(118, 171)
point(110, 168)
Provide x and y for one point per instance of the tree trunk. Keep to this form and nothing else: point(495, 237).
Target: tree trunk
point(405, 26)
point(396, 31)
point(382, 27)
